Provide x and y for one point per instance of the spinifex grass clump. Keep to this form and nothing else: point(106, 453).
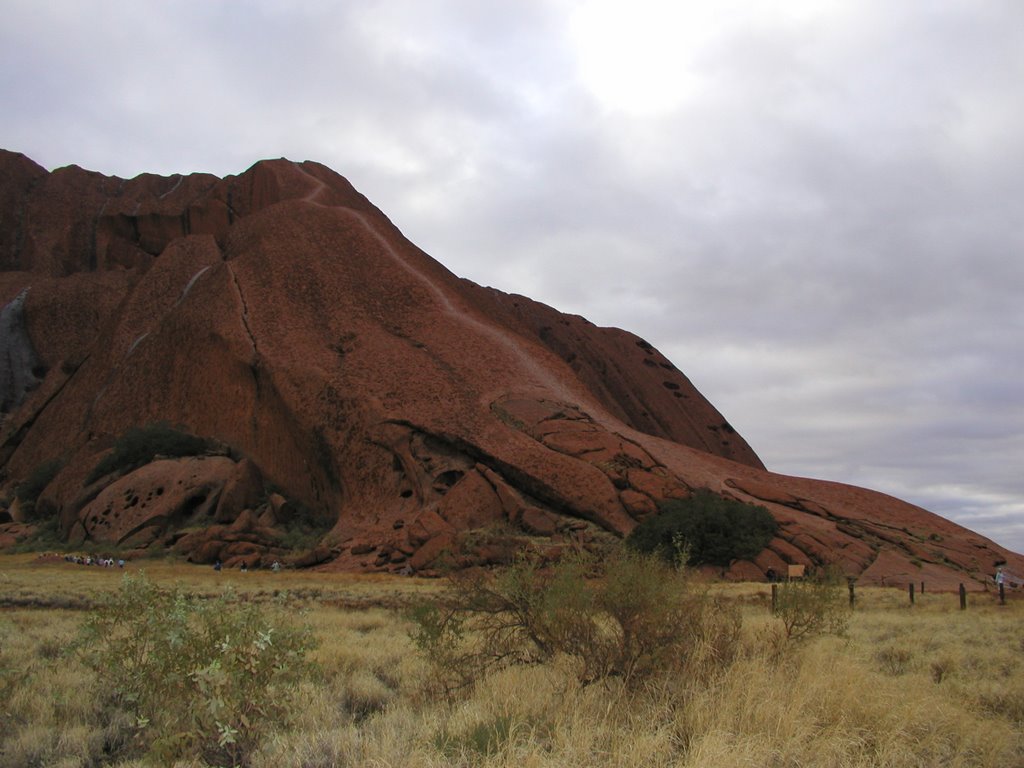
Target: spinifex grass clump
point(629, 616)
point(202, 678)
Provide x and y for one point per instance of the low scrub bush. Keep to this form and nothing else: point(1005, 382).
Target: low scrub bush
point(140, 445)
point(201, 678)
point(894, 660)
point(809, 607)
point(630, 616)
point(705, 529)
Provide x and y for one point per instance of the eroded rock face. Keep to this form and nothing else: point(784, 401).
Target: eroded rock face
point(208, 508)
point(433, 422)
point(143, 505)
point(19, 365)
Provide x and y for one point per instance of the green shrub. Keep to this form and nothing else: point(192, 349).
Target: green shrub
point(809, 607)
point(631, 616)
point(705, 529)
point(140, 445)
point(202, 679)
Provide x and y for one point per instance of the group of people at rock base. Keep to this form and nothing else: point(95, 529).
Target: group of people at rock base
point(106, 562)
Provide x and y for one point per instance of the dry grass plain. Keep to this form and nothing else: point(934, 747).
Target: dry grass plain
point(928, 685)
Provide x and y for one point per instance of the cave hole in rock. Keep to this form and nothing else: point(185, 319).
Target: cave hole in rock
point(406, 493)
point(193, 502)
point(444, 481)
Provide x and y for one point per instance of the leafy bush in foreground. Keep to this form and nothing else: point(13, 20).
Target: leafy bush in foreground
point(705, 529)
point(631, 617)
point(201, 678)
point(140, 445)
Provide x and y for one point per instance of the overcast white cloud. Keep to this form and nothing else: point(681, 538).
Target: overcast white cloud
point(816, 209)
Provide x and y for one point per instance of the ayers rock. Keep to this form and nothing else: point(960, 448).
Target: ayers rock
point(349, 379)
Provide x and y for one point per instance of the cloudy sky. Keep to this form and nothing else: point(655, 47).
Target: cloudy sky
point(815, 208)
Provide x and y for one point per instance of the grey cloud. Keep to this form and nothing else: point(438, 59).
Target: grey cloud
point(826, 237)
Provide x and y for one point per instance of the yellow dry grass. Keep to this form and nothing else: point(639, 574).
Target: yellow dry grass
point(33, 580)
point(927, 685)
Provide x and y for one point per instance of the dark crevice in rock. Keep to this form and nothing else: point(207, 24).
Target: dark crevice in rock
point(158, 522)
point(18, 357)
point(244, 315)
point(254, 363)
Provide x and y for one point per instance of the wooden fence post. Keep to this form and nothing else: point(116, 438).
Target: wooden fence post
point(911, 589)
point(1002, 594)
point(963, 598)
point(775, 597)
point(849, 584)
point(922, 587)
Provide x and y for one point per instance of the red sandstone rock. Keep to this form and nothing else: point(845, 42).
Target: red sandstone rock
point(431, 551)
point(538, 522)
point(746, 571)
point(426, 526)
point(471, 503)
point(282, 314)
point(12, 532)
point(319, 554)
point(242, 491)
point(157, 496)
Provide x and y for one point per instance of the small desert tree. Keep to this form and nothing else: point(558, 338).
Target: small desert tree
point(813, 606)
point(629, 616)
point(705, 529)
